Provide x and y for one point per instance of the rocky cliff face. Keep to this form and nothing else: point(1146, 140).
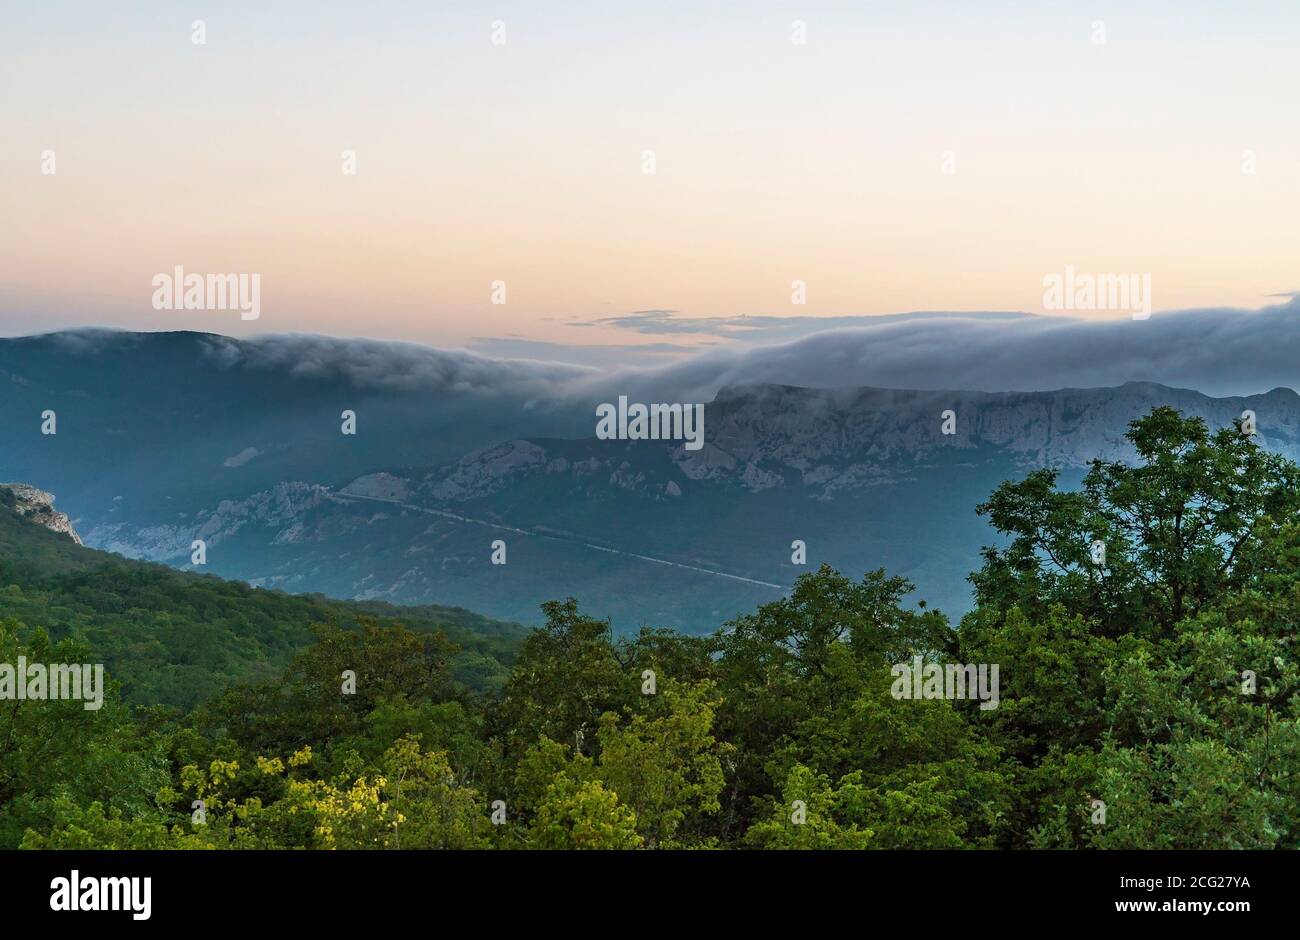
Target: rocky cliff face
point(827, 442)
point(648, 529)
point(817, 443)
point(835, 439)
point(276, 508)
point(37, 506)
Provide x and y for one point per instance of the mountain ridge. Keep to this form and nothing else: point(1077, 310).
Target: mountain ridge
point(865, 476)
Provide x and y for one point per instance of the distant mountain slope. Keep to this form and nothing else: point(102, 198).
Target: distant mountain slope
point(649, 532)
point(189, 419)
point(174, 638)
point(824, 442)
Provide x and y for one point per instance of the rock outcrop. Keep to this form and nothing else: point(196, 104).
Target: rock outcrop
point(37, 506)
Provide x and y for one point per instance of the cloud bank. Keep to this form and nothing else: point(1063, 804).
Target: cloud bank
point(394, 366)
point(1216, 351)
point(1222, 351)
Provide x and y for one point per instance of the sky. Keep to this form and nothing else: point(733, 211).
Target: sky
point(923, 155)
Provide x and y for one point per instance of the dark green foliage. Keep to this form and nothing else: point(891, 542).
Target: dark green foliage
point(177, 638)
point(1148, 701)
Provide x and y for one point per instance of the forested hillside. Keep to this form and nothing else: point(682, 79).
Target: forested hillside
point(1147, 696)
point(175, 638)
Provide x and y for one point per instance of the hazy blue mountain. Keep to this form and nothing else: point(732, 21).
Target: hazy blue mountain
point(151, 423)
point(202, 439)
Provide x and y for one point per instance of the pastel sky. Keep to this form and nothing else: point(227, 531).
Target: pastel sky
point(523, 162)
